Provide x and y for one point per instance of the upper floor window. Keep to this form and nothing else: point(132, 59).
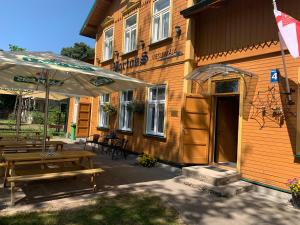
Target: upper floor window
point(156, 108)
point(103, 116)
point(125, 120)
point(161, 20)
point(108, 44)
point(130, 34)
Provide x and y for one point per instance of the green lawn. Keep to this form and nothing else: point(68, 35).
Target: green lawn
point(122, 209)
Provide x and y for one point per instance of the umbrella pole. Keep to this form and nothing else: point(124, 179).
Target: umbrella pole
point(18, 116)
point(46, 112)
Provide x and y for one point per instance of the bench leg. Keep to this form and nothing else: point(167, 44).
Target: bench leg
point(5, 176)
point(12, 193)
point(93, 181)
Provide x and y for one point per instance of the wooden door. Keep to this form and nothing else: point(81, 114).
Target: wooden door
point(195, 133)
point(83, 121)
point(227, 117)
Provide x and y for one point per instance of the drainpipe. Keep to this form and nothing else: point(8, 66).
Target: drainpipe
point(189, 49)
point(188, 67)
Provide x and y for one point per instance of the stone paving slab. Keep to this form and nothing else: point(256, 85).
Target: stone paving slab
point(194, 205)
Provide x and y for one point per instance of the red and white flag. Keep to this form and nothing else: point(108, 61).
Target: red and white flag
point(289, 29)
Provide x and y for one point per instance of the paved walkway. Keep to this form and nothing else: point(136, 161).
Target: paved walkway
point(194, 206)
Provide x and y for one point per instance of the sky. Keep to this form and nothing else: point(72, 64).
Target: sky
point(43, 25)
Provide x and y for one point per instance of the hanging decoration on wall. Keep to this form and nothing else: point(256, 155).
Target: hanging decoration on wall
point(268, 107)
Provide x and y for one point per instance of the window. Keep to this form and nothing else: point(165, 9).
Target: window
point(103, 116)
point(75, 109)
point(108, 44)
point(130, 34)
point(125, 120)
point(161, 20)
point(156, 110)
point(229, 86)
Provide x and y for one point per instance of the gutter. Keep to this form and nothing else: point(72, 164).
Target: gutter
point(198, 7)
point(86, 20)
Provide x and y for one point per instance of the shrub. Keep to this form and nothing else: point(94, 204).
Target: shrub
point(37, 117)
point(12, 117)
point(294, 186)
point(146, 160)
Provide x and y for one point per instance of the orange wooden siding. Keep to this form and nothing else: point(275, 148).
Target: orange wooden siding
point(243, 34)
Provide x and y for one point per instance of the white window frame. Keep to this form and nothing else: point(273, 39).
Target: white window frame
point(101, 113)
point(130, 30)
point(106, 41)
point(160, 14)
point(127, 112)
point(156, 104)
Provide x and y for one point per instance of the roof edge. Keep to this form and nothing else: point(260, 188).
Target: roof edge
point(86, 20)
point(198, 7)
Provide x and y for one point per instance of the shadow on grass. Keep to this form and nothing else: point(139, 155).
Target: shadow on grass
point(121, 209)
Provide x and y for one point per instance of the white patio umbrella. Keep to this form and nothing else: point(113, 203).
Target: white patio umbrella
point(42, 71)
point(23, 93)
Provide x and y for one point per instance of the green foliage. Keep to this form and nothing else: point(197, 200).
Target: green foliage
point(146, 160)
point(121, 209)
point(79, 51)
point(15, 48)
point(136, 106)
point(11, 118)
point(109, 108)
point(53, 116)
point(37, 117)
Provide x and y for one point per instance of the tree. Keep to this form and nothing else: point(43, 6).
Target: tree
point(79, 51)
point(15, 48)
point(8, 102)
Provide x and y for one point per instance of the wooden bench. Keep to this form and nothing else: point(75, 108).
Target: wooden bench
point(49, 176)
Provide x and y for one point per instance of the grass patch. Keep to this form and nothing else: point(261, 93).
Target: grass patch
point(119, 210)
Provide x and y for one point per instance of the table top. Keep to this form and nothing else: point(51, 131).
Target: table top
point(30, 142)
point(35, 156)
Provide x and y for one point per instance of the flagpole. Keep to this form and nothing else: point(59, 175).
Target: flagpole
point(288, 89)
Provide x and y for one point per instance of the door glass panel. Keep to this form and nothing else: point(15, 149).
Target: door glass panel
point(230, 86)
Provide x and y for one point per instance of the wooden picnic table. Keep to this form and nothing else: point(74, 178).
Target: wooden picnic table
point(19, 145)
point(14, 159)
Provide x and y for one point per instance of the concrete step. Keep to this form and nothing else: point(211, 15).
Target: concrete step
point(228, 190)
point(211, 175)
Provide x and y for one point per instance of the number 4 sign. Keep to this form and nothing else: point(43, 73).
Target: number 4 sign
point(274, 76)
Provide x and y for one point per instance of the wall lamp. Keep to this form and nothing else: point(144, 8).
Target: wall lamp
point(116, 54)
point(142, 44)
point(98, 61)
point(178, 31)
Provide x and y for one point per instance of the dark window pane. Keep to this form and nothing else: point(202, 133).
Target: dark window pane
point(161, 118)
point(129, 96)
point(161, 93)
point(227, 86)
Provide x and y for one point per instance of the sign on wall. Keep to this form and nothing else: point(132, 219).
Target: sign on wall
point(274, 76)
point(130, 63)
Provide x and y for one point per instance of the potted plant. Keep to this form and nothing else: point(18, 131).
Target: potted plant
point(294, 186)
point(109, 108)
point(136, 106)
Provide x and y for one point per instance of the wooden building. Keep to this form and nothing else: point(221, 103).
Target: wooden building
point(253, 121)
point(227, 110)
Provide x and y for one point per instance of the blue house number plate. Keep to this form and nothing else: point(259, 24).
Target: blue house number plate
point(274, 76)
